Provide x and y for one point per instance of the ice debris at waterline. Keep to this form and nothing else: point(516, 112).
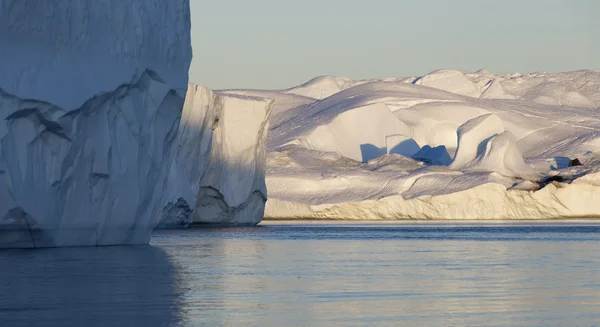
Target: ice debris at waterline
point(218, 170)
point(89, 118)
point(447, 145)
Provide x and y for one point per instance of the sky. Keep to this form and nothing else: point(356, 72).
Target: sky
point(274, 44)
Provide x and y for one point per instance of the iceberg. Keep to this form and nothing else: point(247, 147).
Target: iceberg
point(190, 158)
point(447, 145)
point(91, 95)
point(218, 171)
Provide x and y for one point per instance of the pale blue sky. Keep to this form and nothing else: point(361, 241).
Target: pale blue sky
point(281, 43)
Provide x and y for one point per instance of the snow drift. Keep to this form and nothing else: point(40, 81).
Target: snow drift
point(450, 80)
point(321, 87)
point(89, 117)
point(354, 134)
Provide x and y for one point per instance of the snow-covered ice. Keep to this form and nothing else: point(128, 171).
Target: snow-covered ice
point(447, 145)
point(91, 95)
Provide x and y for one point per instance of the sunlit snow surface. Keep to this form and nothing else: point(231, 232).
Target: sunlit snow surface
point(487, 147)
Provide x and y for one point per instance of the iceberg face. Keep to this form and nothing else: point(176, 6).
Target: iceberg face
point(66, 53)
point(218, 170)
point(471, 201)
point(176, 215)
point(191, 155)
point(89, 117)
point(233, 190)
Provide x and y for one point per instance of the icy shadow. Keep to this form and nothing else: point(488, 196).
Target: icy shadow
point(561, 162)
point(104, 286)
point(437, 156)
point(226, 193)
point(370, 151)
point(407, 148)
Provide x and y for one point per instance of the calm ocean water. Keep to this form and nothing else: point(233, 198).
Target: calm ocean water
point(435, 274)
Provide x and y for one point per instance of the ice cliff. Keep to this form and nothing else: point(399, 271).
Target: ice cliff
point(218, 170)
point(91, 94)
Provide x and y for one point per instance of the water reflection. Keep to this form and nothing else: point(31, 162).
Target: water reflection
point(219, 277)
point(106, 286)
point(313, 276)
point(388, 276)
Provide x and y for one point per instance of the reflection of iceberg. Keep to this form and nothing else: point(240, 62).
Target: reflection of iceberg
point(89, 287)
point(224, 279)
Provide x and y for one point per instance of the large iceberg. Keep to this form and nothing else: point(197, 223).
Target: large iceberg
point(91, 94)
point(218, 170)
point(447, 145)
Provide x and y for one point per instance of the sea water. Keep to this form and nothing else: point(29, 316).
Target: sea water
point(316, 274)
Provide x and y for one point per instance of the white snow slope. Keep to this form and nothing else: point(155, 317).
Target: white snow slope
point(447, 145)
point(91, 94)
point(218, 170)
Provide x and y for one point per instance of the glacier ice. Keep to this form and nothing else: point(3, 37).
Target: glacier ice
point(91, 95)
point(233, 189)
point(218, 171)
point(191, 154)
point(483, 201)
point(487, 147)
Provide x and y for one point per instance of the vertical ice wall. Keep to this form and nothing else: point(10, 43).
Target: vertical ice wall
point(218, 170)
point(233, 189)
point(91, 94)
point(191, 156)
